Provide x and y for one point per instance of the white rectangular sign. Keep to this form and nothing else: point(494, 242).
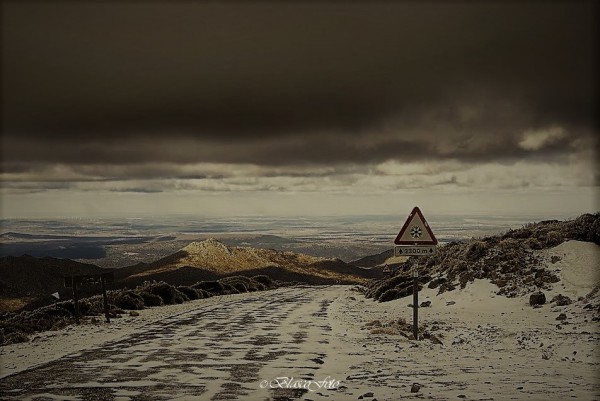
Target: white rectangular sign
point(422, 250)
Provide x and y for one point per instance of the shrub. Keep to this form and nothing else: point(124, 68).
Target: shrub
point(151, 299)
point(475, 250)
point(169, 294)
point(129, 300)
point(240, 287)
point(189, 292)
point(265, 280)
point(51, 313)
point(553, 238)
point(388, 284)
point(436, 282)
point(239, 283)
point(181, 298)
point(68, 306)
point(16, 337)
point(229, 289)
point(213, 287)
point(509, 244)
point(85, 307)
point(389, 295)
point(533, 243)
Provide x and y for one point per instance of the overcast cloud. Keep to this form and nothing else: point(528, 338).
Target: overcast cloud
point(178, 97)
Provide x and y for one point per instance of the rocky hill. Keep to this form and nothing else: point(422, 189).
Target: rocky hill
point(513, 261)
point(211, 259)
point(28, 282)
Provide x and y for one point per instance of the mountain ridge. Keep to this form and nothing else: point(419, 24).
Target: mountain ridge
point(198, 261)
point(214, 256)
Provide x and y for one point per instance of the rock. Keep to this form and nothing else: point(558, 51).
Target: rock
point(436, 340)
point(94, 320)
point(436, 282)
point(133, 313)
point(450, 303)
point(368, 395)
point(537, 298)
point(562, 316)
point(425, 304)
point(561, 300)
point(415, 388)
point(588, 306)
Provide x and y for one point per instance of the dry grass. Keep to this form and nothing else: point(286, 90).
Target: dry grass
point(14, 304)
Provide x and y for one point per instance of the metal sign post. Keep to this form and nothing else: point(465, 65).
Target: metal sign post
point(416, 301)
point(415, 239)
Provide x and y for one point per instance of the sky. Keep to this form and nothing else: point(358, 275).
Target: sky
point(299, 108)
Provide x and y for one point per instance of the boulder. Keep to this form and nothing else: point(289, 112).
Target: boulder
point(537, 298)
point(561, 300)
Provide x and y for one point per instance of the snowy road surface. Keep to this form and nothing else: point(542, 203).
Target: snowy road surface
point(242, 347)
point(220, 352)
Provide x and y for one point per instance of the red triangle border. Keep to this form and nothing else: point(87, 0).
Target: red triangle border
point(405, 227)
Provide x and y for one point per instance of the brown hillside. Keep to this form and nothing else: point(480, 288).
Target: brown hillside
point(213, 256)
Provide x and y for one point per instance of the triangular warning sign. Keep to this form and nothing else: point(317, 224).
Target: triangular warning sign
point(415, 231)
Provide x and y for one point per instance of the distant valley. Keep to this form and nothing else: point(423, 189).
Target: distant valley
point(114, 243)
point(28, 281)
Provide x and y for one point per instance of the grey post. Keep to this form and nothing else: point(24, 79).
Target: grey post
point(416, 301)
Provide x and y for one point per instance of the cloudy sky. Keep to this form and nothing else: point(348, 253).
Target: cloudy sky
point(299, 108)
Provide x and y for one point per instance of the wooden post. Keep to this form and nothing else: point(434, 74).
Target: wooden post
point(416, 301)
point(75, 299)
point(105, 300)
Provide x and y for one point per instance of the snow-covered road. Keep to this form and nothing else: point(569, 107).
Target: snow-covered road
point(313, 343)
point(235, 349)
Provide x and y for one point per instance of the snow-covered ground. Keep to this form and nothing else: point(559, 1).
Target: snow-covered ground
point(492, 347)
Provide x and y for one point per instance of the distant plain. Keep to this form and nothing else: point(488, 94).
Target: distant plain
point(116, 242)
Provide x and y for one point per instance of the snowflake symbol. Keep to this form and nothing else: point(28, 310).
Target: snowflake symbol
point(416, 232)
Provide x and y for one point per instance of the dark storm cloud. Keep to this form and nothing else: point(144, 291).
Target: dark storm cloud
point(304, 83)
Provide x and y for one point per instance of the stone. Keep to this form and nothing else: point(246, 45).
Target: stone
point(537, 298)
point(562, 316)
point(561, 300)
point(425, 304)
point(415, 388)
point(133, 313)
